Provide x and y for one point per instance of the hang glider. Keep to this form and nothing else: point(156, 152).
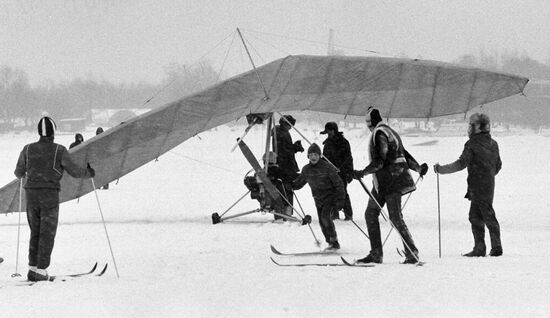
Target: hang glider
point(400, 88)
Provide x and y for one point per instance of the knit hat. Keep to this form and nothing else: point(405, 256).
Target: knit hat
point(46, 127)
point(330, 126)
point(314, 148)
point(373, 115)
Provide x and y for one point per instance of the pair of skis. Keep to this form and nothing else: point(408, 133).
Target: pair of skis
point(91, 272)
point(321, 264)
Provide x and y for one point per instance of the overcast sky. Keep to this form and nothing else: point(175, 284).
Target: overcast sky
point(133, 40)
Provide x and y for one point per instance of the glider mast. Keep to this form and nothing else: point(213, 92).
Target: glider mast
point(253, 65)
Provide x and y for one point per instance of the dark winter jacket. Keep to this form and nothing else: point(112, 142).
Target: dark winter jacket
point(286, 151)
point(390, 162)
point(338, 151)
point(481, 156)
point(77, 140)
point(43, 163)
point(326, 186)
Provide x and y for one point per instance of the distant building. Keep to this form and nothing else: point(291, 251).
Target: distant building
point(71, 124)
point(109, 117)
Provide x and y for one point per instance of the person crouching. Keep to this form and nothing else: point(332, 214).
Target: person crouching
point(327, 189)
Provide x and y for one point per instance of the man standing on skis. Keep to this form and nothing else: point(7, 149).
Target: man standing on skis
point(327, 189)
point(337, 150)
point(42, 164)
point(481, 157)
point(390, 164)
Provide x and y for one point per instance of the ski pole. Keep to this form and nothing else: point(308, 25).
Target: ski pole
point(391, 223)
point(317, 242)
point(371, 196)
point(105, 227)
point(438, 215)
point(402, 208)
point(309, 142)
point(16, 274)
point(360, 229)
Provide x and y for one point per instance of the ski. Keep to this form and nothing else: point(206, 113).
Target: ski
point(102, 271)
point(306, 264)
point(90, 272)
point(354, 263)
point(79, 274)
point(277, 252)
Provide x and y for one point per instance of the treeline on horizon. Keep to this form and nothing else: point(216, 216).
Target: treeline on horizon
point(76, 98)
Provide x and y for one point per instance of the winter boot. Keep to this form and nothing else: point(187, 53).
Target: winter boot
point(496, 251)
point(41, 275)
point(475, 253)
point(479, 244)
point(411, 258)
point(32, 273)
point(373, 257)
point(332, 246)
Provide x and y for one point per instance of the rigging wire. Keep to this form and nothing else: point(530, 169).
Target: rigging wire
point(192, 64)
point(256, 51)
point(226, 55)
point(317, 42)
point(267, 43)
point(205, 163)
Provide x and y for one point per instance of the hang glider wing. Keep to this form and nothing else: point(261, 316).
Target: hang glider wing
point(400, 88)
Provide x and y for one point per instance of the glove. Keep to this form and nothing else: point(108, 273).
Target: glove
point(298, 146)
point(90, 170)
point(348, 177)
point(423, 169)
point(358, 174)
point(436, 168)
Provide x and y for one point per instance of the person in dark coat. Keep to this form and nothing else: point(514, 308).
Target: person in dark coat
point(390, 164)
point(481, 157)
point(286, 153)
point(327, 189)
point(276, 175)
point(42, 164)
point(98, 131)
point(337, 150)
point(78, 139)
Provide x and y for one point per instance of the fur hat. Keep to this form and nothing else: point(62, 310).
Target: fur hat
point(46, 127)
point(289, 118)
point(314, 148)
point(373, 115)
point(483, 121)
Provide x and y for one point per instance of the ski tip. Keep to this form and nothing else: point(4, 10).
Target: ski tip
point(345, 261)
point(103, 270)
point(274, 250)
point(274, 261)
point(94, 268)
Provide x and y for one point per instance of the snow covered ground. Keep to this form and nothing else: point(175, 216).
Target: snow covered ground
point(173, 262)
